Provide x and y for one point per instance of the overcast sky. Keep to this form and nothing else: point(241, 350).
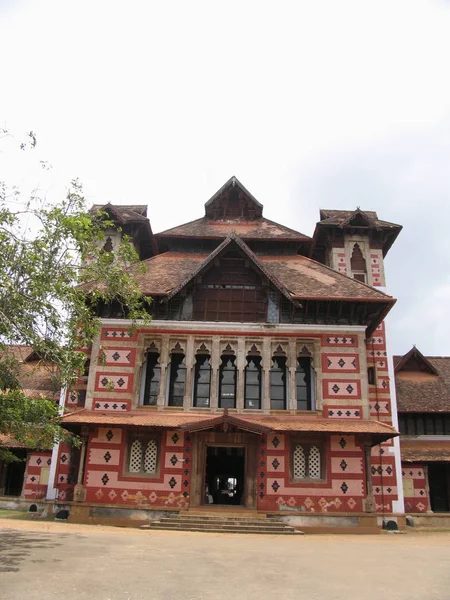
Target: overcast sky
point(311, 105)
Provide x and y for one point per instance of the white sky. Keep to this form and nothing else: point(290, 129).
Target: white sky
point(310, 104)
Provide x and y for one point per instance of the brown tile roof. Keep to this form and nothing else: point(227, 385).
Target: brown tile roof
point(167, 419)
point(306, 278)
point(35, 375)
point(257, 229)
point(338, 217)
point(131, 213)
point(302, 277)
point(7, 441)
point(413, 450)
point(421, 391)
point(165, 272)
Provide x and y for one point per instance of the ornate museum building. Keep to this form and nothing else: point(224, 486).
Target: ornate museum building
point(261, 384)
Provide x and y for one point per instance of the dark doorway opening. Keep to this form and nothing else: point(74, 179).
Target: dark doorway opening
point(439, 482)
point(224, 477)
point(15, 473)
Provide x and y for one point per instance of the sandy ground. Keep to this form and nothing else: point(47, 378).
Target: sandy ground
point(47, 560)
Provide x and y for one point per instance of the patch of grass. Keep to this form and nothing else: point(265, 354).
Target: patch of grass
point(14, 514)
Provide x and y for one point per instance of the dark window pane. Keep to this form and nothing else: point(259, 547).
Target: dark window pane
point(253, 382)
point(202, 380)
point(227, 382)
point(402, 424)
point(303, 383)
point(152, 378)
point(177, 380)
point(420, 425)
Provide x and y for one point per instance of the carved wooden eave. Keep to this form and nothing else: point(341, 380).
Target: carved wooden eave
point(227, 422)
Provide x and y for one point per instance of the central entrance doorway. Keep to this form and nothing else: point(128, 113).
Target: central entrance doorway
point(224, 475)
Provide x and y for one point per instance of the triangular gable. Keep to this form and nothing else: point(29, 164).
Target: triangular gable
point(233, 192)
point(414, 360)
point(358, 219)
point(226, 422)
point(232, 238)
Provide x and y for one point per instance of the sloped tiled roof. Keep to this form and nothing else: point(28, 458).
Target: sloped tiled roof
point(338, 217)
point(425, 450)
point(302, 277)
point(132, 213)
point(168, 419)
point(257, 229)
point(419, 391)
point(35, 376)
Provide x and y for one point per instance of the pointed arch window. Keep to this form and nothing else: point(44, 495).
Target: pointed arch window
point(307, 461)
point(304, 383)
point(253, 381)
point(177, 381)
point(202, 380)
point(227, 381)
point(278, 388)
point(358, 264)
point(143, 455)
point(151, 374)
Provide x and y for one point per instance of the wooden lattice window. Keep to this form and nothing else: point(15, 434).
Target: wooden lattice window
point(307, 460)
point(143, 455)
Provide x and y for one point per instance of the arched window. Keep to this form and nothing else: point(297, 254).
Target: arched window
point(253, 379)
point(202, 380)
point(278, 383)
point(227, 382)
point(152, 375)
point(108, 245)
point(143, 456)
point(304, 383)
point(307, 461)
point(358, 264)
point(177, 380)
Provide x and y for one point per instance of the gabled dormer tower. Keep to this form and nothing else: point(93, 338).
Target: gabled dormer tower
point(354, 243)
point(128, 220)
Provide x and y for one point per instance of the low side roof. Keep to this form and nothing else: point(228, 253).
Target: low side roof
point(142, 418)
point(132, 213)
point(416, 450)
point(423, 391)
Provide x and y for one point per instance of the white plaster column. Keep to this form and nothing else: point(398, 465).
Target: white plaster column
point(369, 502)
point(92, 373)
point(163, 361)
point(240, 362)
point(51, 489)
point(292, 365)
point(266, 364)
point(215, 364)
point(190, 361)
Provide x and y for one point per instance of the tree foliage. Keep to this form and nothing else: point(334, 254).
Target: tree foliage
point(48, 254)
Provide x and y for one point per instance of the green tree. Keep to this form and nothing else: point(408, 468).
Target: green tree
point(53, 273)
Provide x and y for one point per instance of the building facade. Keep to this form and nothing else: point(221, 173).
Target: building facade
point(262, 382)
point(423, 396)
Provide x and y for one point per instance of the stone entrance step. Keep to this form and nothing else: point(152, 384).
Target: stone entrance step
point(222, 524)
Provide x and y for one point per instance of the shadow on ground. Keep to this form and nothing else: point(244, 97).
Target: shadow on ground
point(16, 546)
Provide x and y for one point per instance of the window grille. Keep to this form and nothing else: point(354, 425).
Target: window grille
point(143, 456)
point(307, 461)
point(150, 457)
point(135, 456)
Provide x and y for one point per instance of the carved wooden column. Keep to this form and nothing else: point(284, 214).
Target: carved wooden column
point(369, 502)
point(79, 492)
point(190, 361)
point(292, 365)
point(266, 365)
point(215, 364)
point(240, 362)
point(163, 361)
